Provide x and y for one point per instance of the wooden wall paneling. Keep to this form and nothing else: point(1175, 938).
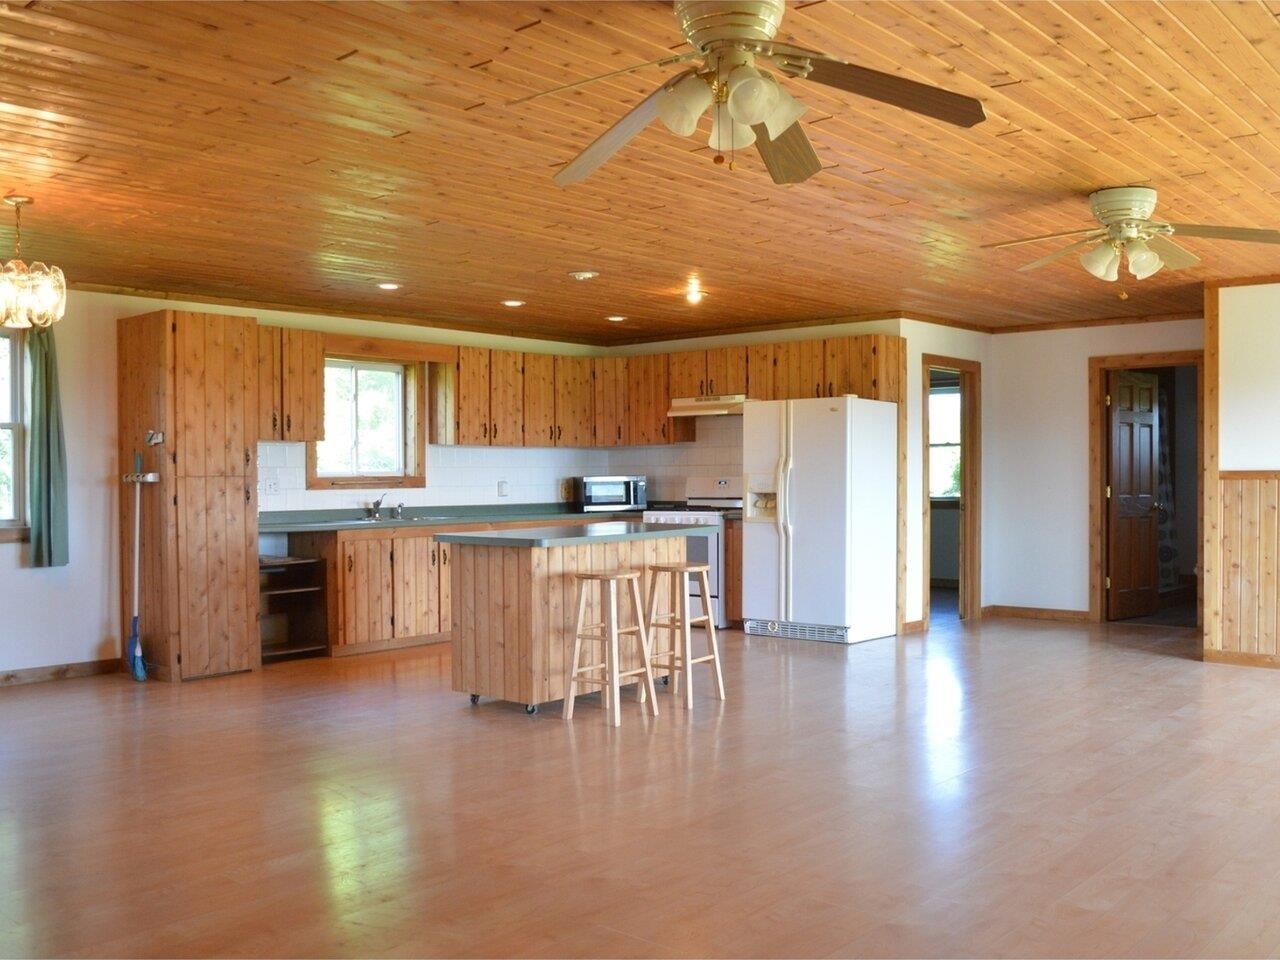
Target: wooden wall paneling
point(1268, 586)
point(539, 400)
point(761, 372)
point(726, 371)
point(733, 570)
point(472, 397)
point(270, 383)
point(574, 402)
point(609, 376)
point(506, 398)
point(687, 372)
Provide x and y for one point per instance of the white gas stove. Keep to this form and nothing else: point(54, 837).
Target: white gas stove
point(707, 500)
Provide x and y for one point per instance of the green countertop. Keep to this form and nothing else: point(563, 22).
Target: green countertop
point(566, 536)
point(319, 521)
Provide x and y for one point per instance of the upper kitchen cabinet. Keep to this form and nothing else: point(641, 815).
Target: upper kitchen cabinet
point(539, 400)
point(609, 382)
point(726, 371)
point(485, 391)
point(867, 365)
point(575, 401)
point(215, 363)
point(708, 373)
point(506, 398)
point(760, 369)
point(290, 390)
point(471, 410)
point(649, 399)
point(798, 369)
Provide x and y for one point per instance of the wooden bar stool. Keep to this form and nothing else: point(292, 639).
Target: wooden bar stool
point(679, 658)
point(607, 672)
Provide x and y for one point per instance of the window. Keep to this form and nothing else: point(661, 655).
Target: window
point(371, 425)
point(944, 442)
point(13, 445)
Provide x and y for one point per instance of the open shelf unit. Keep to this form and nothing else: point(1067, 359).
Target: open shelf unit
point(291, 621)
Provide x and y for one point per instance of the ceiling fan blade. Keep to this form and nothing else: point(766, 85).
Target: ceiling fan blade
point(1174, 256)
point(664, 62)
point(1098, 231)
point(897, 91)
point(1247, 234)
point(1056, 255)
point(615, 138)
point(789, 157)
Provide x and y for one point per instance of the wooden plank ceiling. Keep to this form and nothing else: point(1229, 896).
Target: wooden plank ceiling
point(298, 153)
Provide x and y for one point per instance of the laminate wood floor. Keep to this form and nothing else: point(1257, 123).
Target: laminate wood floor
point(1010, 789)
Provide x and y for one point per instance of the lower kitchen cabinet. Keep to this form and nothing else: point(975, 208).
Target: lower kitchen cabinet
point(365, 584)
point(733, 571)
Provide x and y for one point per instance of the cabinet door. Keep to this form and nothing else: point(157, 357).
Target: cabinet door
point(610, 385)
point(574, 401)
point(687, 373)
point(799, 370)
point(216, 414)
point(367, 601)
point(417, 587)
point(506, 398)
point(726, 371)
point(842, 366)
point(303, 384)
point(472, 385)
point(642, 375)
point(217, 575)
point(539, 400)
point(760, 372)
point(270, 383)
point(733, 570)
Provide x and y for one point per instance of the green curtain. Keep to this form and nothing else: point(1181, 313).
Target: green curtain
point(48, 463)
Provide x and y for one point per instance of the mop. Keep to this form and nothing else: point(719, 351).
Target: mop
point(133, 650)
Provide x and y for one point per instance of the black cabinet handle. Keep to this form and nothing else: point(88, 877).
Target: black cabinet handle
point(701, 387)
point(288, 424)
point(247, 497)
point(559, 431)
point(433, 556)
point(348, 563)
point(495, 431)
point(831, 388)
point(712, 385)
point(664, 428)
point(275, 422)
point(486, 431)
point(444, 557)
point(246, 456)
point(619, 431)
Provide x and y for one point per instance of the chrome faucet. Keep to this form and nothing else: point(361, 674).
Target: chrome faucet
point(397, 512)
point(373, 511)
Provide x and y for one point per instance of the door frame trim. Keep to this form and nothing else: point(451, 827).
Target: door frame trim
point(1099, 444)
point(970, 481)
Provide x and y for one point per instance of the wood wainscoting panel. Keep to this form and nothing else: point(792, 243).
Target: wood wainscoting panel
point(1249, 527)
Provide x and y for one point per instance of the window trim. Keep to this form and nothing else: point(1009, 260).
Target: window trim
point(415, 426)
point(19, 528)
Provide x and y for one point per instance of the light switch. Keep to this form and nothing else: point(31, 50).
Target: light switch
point(502, 488)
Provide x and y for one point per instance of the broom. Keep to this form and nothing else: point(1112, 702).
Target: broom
point(133, 649)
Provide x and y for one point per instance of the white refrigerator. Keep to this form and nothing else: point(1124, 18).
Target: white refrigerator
point(820, 509)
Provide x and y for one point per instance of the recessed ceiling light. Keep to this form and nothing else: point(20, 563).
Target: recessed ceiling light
point(513, 303)
point(388, 286)
point(694, 292)
point(584, 274)
point(615, 319)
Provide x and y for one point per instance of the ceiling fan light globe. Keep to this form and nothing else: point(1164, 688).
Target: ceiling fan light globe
point(1102, 261)
point(1143, 261)
point(751, 96)
point(786, 111)
point(726, 135)
point(680, 107)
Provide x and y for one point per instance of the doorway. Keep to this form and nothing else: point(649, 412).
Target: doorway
point(1146, 454)
point(951, 432)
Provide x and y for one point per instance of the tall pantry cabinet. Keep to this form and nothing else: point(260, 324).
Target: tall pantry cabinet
point(191, 377)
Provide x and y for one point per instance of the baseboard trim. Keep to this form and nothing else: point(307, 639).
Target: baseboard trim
point(1238, 659)
point(60, 671)
point(912, 626)
point(1037, 613)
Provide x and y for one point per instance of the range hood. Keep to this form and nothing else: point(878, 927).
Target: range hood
point(726, 406)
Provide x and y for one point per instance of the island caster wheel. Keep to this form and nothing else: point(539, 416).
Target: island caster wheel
point(475, 698)
point(531, 708)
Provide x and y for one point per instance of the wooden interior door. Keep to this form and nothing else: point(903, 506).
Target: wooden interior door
point(472, 385)
point(726, 371)
point(1133, 510)
point(573, 401)
point(539, 400)
point(417, 587)
point(506, 398)
point(217, 575)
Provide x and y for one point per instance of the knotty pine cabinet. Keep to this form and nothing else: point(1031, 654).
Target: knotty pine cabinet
point(798, 370)
point(539, 400)
point(489, 401)
point(471, 410)
point(290, 384)
point(609, 384)
point(193, 378)
point(708, 373)
point(574, 401)
point(649, 399)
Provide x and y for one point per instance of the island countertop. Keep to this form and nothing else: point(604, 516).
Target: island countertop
point(617, 531)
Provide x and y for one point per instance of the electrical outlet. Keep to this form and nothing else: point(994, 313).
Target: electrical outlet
point(268, 487)
point(502, 488)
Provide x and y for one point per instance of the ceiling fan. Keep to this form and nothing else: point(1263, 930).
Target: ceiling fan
point(733, 40)
point(1126, 227)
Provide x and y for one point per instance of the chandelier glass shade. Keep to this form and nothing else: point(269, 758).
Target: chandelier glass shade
point(31, 295)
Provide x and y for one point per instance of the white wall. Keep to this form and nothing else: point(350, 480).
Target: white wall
point(1035, 465)
point(68, 614)
point(1249, 393)
point(944, 544)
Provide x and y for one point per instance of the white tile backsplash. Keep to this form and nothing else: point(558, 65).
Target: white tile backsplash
point(466, 475)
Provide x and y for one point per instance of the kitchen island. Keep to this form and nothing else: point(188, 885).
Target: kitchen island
point(513, 613)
